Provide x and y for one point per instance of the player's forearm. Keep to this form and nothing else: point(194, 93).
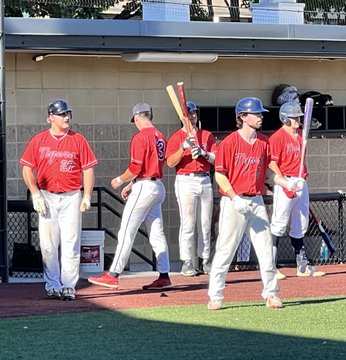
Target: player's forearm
point(88, 181)
point(30, 180)
point(225, 185)
point(126, 176)
point(174, 159)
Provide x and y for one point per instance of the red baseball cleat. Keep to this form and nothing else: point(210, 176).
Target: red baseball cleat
point(158, 284)
point(105, 280)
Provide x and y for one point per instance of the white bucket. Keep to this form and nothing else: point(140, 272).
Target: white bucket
point(92, 253)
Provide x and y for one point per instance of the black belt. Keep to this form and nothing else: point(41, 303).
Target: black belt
point(249, 195)
point(148, 178)
point(200, 174)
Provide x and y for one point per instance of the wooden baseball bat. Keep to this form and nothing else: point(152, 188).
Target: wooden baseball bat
point(309, 104)
point(182, 98)
point(328, 241)
point(174, 99)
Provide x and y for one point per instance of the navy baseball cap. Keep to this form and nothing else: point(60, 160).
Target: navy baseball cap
point(140, 108)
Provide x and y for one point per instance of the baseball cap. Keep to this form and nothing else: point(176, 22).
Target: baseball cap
point(140, 108)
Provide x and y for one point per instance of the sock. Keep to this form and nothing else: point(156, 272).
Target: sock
point(163, 276)
point(113, 274)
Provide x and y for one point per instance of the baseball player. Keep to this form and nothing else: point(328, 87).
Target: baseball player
point(56, 163)
point(290, 207)
point(240, 171)
point(192, 159)
point(145, 194)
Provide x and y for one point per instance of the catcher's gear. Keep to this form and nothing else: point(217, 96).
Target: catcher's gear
point(39, 203)
point(57, 107)
point(249, 105)
point(85, 204)
point(240, 205)
point(289, 110)
point(191, 106)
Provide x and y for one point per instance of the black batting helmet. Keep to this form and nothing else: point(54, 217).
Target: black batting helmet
point(58, 106)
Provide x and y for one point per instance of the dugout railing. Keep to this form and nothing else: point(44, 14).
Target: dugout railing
point(24, 256)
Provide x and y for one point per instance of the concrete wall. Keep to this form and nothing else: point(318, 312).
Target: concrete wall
point(102, 91)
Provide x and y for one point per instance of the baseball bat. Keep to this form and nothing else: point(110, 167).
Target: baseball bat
point(328, 241)
point(309, 104)
point(182, 98)
point(174, 99)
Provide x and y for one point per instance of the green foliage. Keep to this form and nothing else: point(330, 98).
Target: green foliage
point(80, 9)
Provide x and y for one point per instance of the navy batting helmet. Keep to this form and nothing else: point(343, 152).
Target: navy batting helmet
point(57, 107)
point(290, 109)
point(191, 106)
point(249, 105)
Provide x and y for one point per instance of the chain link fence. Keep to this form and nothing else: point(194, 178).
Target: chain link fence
point(328, 207)
point(25, 260)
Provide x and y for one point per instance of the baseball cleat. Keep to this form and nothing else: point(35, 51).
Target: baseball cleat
point(280, 275)
point(215, 305)
point(54, 293)
point(273, 302)
point(159, 284)
point(105, 280)
point(188, 269)
point(310, 271)
point(68, 294)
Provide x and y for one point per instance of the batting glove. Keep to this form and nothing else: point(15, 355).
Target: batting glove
point(301, 183)
point(292, 184)
point(240, 205)
point(197, 152)
point(189, 142)
point(39, 203)
point(85, 204)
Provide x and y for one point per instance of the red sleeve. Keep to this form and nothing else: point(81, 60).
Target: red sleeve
point(136, 153)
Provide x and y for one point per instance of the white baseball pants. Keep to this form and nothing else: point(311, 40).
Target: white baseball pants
point(290, 211)
point(143, 205)
point(195, 200)
point(60, 238)
point(232, 226)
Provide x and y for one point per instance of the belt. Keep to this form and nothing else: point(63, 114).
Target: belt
point(198, 174)
point(249, 195)
point(147, 178)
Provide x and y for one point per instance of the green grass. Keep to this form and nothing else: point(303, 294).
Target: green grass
point(304, 329)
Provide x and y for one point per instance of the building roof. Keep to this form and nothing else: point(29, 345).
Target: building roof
point(114, 37)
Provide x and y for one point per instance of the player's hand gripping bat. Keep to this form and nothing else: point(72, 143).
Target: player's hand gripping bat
point(309, 104)
point(328, 241)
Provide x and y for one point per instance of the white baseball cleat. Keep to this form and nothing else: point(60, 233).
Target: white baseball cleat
point(310, 271)
point(280, 275)
point(215, 304)
point(273, 302)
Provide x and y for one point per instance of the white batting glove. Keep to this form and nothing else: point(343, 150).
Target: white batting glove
point(300, 184)
point(39, 203)
point(240, 205)
point(292, 184)
point(85, 204)
point(189, 142)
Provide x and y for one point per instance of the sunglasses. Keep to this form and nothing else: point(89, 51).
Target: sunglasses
point(64, 114)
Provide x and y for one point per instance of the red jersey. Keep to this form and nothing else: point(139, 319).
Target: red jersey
point(59, 161)
point(204, 139)
point(245, 165)
point(147, 153)
point(286, 152)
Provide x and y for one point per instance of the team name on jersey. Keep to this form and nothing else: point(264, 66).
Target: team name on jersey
point(290, 148)
point(47, 153)
point(246, 161)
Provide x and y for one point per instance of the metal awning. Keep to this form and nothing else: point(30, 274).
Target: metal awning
point(114, 37)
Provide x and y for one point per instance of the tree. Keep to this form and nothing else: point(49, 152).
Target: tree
point(82, 9)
